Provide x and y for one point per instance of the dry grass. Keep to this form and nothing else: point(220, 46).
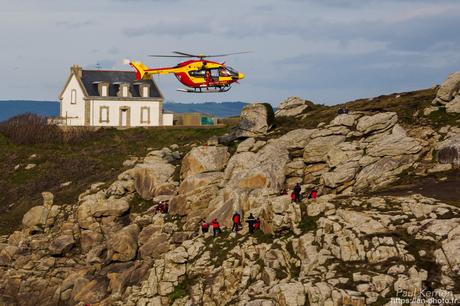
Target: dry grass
point(31, 129)
point(97, 156)
point(409, 107)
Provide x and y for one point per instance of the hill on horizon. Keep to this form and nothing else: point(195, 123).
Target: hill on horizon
point(11, 108)
point(219, 109)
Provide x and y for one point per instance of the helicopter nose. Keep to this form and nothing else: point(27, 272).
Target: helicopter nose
point(240, 76)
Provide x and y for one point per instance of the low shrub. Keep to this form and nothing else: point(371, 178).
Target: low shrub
point(30, 129)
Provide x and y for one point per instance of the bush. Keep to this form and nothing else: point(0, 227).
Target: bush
point(32, 129)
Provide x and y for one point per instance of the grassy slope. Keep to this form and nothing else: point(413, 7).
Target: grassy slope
point(100, 159)
point(409, 107)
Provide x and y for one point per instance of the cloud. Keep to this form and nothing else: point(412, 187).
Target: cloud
point(71, 25)
point(329, 50)
point(177, 27)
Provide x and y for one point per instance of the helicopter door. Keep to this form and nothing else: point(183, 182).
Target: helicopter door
point(215, 74)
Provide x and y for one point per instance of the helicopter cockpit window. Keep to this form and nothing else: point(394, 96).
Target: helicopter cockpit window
point(224, 72)
point(230, 71)
point(197, 73)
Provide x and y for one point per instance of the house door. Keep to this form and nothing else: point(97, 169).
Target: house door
point(125, 113)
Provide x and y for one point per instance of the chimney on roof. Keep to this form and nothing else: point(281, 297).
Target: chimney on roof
point(76, 70)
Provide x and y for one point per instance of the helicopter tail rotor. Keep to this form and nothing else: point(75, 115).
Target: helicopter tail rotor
point(140, 70)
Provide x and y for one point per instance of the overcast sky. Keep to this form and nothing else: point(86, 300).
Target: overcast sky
point(328, 51)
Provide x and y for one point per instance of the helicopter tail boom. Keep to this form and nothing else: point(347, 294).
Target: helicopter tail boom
point(143, 72)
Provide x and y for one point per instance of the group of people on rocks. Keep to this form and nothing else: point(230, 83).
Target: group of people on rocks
point(253, 224)
point(296, 194)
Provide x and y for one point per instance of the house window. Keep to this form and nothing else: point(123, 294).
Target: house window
point(145, 114)
point(104, 90)
point(73, 96)
point(145, 91)
point(104, 114)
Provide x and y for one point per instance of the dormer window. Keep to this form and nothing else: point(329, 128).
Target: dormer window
point(145, 91)
point(102, 88)
point(123, 89)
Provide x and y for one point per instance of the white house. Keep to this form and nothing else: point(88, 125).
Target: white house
point(111, 98)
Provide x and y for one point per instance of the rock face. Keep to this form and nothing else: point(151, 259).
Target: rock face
point(255, 120)
point(204, 159)
point(313, 266)
point(61, 245)
point(449, 89)
point(355, 249)
point(40, 217)
point(454, 105)
point(123, 245)
point(449, 151)
point(375, 123)
point(292, 107)
point(448, 94)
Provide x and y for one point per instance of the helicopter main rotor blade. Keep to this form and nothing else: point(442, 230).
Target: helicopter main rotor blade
point(227, 54)
point(186, 54)
point(159, 55)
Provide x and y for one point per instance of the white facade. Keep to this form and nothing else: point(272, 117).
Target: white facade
point(73, 103)
point(123, 113)
point(168, 119)
point(125, 109)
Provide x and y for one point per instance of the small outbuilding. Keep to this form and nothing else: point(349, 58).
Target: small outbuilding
point(111, 98)
point(194, 119)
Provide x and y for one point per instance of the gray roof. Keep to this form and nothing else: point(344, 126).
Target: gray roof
point(91, 77)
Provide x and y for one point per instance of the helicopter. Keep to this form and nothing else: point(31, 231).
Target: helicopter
point(198, 74)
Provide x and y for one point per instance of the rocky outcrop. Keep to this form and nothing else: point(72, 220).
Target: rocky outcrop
point(255, 120)
point(105, 249)
point(449, 89)
point(376, 123)
point(204, 159)
point(292, 107)
point(122, 245)
point(448, 94)
point(280, 214)
point(39, 218)
point(448, 151)
point(150, 178)
point(314, 266)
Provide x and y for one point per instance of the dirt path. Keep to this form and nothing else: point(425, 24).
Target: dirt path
point(441, 186)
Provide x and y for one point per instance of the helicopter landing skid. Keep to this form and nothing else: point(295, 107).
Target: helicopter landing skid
point(205, 89)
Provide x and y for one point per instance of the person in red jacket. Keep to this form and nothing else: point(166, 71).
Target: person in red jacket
point(215, 227)
point(313, 194)
point(293, 197)
point(257, 225)
point(204, 227)
point(236, 221)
